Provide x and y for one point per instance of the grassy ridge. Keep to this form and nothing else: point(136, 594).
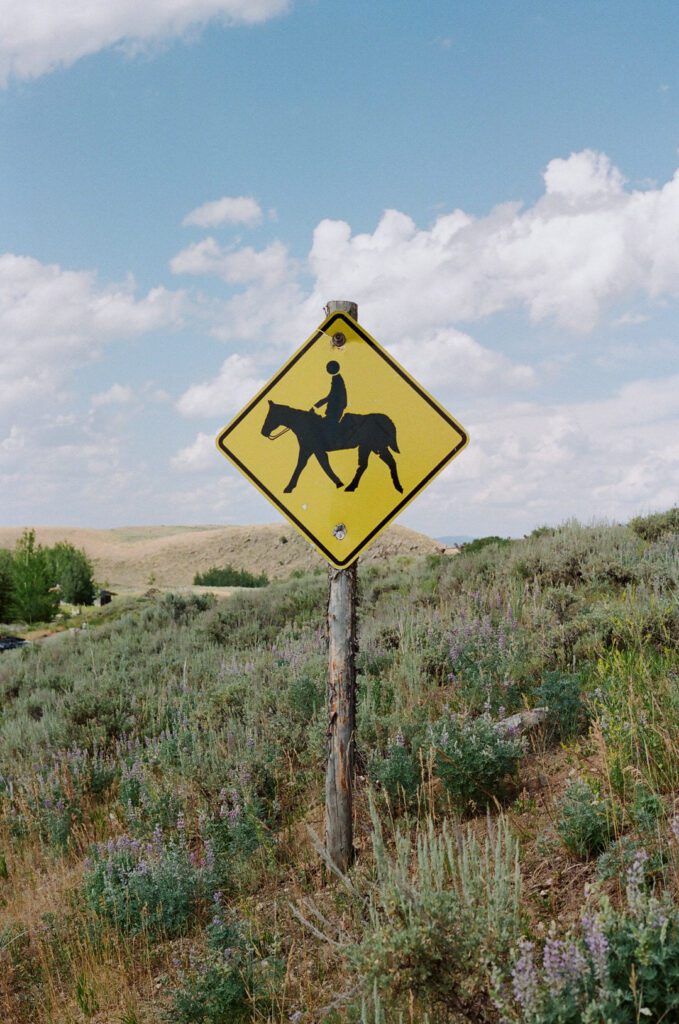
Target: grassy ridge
point(158, 775)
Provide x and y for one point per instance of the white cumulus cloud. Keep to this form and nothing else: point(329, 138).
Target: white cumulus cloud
point(237, 382)
point(40, 35)
point(228, 210)
point(534, 462)
point(200, 454)
point(117, 394)
point(52, 320)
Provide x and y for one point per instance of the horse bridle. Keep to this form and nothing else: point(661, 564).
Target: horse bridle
point(274, 437)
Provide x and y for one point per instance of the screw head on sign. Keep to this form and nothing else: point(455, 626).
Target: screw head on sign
point(338, 339)
point(340, 531)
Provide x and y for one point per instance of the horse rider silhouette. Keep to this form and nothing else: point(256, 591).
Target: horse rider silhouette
point(336, 399)
point(336, 431)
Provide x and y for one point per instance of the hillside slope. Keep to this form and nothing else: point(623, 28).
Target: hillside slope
point(516, 812)
point(130, 557)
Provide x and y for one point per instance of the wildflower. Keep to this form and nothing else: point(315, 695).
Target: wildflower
point(525, 977)
point(635, 879)
point(157, 839)
point(597, 946)
point(564, 965)
point(399, 739)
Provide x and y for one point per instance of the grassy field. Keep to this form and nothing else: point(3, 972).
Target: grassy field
point(161, 786)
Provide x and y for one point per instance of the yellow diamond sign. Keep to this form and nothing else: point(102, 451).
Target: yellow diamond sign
point(341, 439)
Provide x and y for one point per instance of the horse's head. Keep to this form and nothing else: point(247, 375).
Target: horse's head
point(273, 419)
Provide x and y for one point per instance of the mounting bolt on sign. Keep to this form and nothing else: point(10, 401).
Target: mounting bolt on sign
point(356, 440)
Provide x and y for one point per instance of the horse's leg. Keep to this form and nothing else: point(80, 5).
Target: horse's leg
point(363, 456)
point(387, 457)
point(304, 455)
point(324, 461)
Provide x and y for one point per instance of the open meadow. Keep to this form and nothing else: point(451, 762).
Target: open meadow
point(161, 798)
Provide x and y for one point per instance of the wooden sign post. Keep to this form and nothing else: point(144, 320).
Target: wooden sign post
point(342, 645)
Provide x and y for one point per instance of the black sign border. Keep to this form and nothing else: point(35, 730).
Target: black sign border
point(354, 326)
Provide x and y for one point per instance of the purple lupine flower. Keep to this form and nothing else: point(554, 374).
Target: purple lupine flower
point(157, 838)
point(657, 918)
point(635, 880)
point(564, 965)
point(597, 945)
point(399, 739)
point(525, 977)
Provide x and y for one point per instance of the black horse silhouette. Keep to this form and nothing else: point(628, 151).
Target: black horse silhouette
point(372, 432)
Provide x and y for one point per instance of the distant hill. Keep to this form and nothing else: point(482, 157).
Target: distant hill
point(137, 556)
point(458, 538)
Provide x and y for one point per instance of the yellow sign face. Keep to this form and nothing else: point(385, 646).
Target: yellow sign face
point(341, 439)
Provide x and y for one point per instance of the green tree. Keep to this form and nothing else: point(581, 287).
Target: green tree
point(5, 584)
point(229, 577)
point(32, 600)
point(71, 570)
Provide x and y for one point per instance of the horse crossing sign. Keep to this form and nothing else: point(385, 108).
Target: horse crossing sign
point(341, 439)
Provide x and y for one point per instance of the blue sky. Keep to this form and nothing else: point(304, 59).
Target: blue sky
point(493, 183)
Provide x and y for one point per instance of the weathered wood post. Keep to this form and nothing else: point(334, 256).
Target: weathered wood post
point(339, 777)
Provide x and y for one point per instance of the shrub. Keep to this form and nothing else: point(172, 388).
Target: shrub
point(657, 525)
point(227, 576)
point(484, 656)
point(618, 966)
point(561, 694)
point(587, 822)
point(234, 834)
point(154, 887)
point(443, 910)
point(255, 619)
point(52, 801)
point(472, 759)
point(483, 542)
point(398, 773)
point(227, 982)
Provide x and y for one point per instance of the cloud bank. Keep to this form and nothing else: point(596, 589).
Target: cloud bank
point(587, 245)
point(41, 35)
